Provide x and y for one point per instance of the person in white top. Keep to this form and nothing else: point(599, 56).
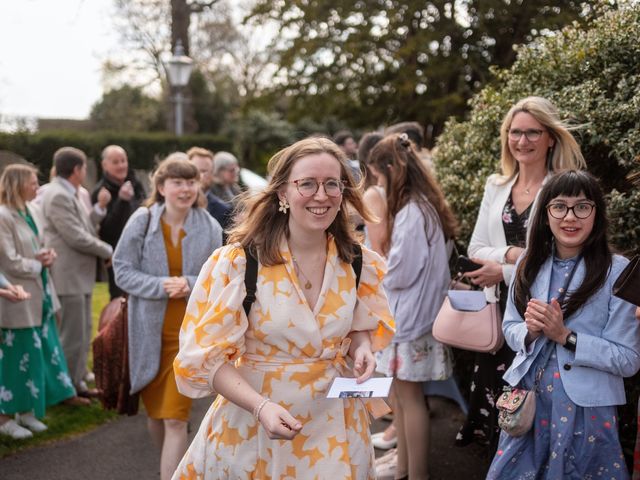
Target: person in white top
point(535, 142)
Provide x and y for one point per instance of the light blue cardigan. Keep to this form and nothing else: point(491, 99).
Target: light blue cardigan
point(140, 270)
point(417, 272)
point(608, 341)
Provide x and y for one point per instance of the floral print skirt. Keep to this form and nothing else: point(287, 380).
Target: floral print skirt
point(566, 441)
point(419, 360)
point(33, 370)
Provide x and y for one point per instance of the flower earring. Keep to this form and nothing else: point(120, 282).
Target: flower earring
point(284, 206)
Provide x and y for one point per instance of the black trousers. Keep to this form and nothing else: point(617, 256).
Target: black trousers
point(114, 290)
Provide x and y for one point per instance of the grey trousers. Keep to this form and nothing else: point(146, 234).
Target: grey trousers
point(74, 327)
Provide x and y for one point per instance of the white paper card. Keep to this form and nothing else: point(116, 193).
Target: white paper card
point(348, 388)
point(467, 300)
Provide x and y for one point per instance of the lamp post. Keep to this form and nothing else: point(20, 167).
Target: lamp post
point(178, 69)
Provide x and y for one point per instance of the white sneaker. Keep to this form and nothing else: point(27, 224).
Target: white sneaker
point(89, 377)
point(12, 429)
point(378, 441)
point(386, 471)
point(390, 457)
point(31, 422)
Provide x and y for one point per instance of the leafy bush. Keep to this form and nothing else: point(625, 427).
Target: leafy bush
point(593, 76)
point(143, 148)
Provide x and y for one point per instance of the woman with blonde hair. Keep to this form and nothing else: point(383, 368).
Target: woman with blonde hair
point(157, 259)
point(535, 143)
point(272, 359)
point(33, 370)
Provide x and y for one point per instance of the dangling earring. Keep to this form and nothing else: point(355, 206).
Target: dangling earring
point(284, 206)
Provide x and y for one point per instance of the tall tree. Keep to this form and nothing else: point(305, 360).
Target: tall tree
point(223, 54)
point(373, 62)
point(126, 109)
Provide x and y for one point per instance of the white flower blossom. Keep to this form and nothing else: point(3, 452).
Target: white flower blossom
point(24, 363)
point(5, 395)
point(34, 390)
point(55, 357)
point(65, 379)
point(37, 343)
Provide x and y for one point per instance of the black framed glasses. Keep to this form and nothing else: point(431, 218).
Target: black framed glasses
point(308, 187)
point(581, 210)
point(531, 134)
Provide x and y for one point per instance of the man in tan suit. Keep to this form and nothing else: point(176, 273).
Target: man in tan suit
point(70, 231)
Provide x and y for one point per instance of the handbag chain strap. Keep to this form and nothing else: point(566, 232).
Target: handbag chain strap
point(560, 299)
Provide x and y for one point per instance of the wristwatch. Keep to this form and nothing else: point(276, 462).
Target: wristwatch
point(571, 341)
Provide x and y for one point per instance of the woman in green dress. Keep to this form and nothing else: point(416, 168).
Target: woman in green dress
point(33, 370)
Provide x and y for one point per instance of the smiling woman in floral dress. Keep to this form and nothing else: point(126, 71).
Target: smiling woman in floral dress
point(273, 367)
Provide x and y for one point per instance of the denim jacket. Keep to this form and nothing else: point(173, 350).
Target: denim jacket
point(608, 347)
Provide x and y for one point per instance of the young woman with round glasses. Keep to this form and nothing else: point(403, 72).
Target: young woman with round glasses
point(574, 340)
point(273, 366)
point(535, 143)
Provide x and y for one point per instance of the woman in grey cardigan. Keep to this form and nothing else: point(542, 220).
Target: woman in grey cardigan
point(157, 260)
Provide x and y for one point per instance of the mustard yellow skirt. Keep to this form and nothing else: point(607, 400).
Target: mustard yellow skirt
point(161, 398)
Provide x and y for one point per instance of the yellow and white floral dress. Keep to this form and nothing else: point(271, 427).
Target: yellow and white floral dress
point(288, 353)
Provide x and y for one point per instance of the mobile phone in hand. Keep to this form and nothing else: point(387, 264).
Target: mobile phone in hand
point(466, 265)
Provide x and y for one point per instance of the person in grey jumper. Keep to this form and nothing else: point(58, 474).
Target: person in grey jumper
point(157, 260)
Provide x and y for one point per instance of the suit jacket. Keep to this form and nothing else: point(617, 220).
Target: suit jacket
point(118, 210)
point(18, 248)
point(70, 231)
point(141, 267)
point(608, 341)
point(488, 241)
point(221, 211)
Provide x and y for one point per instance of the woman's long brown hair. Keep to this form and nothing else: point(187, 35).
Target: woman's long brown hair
point(260, 226)
point(409, 179)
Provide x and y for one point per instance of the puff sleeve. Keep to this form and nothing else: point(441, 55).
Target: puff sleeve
point(214, 324)
point(372, 308)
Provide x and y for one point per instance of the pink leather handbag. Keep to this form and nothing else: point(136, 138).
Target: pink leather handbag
point(477, 328)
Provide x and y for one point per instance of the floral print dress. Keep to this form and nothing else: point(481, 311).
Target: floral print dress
point(288, 353)
point(33, 369)
point(482, 421)
point(566, 441)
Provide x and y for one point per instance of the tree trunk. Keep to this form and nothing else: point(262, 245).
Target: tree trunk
point(180, 21)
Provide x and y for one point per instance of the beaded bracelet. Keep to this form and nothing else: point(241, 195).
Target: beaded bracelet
point(258, 409)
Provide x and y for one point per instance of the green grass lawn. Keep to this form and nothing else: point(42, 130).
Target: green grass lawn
point(63, 420)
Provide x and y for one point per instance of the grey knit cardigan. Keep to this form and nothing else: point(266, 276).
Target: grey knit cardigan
point(140, 265)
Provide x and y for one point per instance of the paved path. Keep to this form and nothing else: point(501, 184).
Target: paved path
point(122, 450)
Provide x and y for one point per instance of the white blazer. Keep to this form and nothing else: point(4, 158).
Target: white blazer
point(488, 241)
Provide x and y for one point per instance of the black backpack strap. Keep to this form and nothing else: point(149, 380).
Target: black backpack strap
point(357, 263)
point(251, 275)
point(250, 280)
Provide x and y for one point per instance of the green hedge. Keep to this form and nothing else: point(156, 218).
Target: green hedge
point(593, 76)
point(143, 149)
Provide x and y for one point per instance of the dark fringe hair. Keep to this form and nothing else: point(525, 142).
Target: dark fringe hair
point(595, 251)
point(176, 165)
